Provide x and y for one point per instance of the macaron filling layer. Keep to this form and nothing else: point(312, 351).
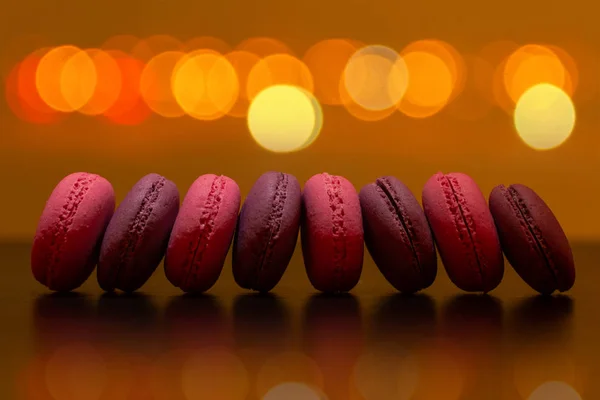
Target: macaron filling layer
point(76, 195)
point(137, 226)
point(530, 228)
point(274, 223)
point(402, 217)
point(463, 220)
point(333, 186)
point(206, 228)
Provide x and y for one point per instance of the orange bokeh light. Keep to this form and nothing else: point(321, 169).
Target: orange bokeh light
point(155, 84)
point(358, 111)
point(242, 62)
point(278, 69)
point(264, 46)
point(207, 42)
point(525, 67)
point(205, 85)
point(129, 108)
point(327, 60)
point(108, 83)
point(78, 80)
point(18, 99)
point(430, 84)
point(48, 77)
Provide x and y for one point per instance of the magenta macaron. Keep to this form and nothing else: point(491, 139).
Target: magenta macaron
point(464, 231)
point(532, 239)
point(267, 231)
point(136, 238)
point(67, 241)
point(398, 235)
point(332, 233)
point(202, 233)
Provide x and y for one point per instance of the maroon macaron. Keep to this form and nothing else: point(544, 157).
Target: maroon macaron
point(398, 235)
point(202, 233)
point(267, 231)
point(332, 233)
point(532, 239)
point(137, 235)
point(69, 233)
point(464, 231)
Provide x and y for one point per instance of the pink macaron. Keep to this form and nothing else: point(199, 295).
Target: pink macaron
point(202, 233)
point(464, 232)
point(332, 233)
point(70, 230)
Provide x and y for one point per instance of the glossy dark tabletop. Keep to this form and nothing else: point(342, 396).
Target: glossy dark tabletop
point(230, 344)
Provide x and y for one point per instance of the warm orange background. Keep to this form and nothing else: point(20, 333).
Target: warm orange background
point(34, 158)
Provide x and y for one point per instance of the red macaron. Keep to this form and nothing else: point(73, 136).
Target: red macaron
point(532, 239)
point(464, 231)
point(69, 233)
point(332, 233)
point(202, 233)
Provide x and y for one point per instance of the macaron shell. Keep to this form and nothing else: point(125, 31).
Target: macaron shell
point(138, 233)
point(398, 235)
point(202, 233)
point(332, 233)
point(66, 243)
point(532, 239)
point(267, 231)
point(464, 232)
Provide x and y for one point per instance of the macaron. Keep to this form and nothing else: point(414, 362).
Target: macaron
point(331, 233)
point(532, 239)
point(397, 235)
point(137, 235)
point(202, 233)
point(464, 231)
point(267, 231)
point(69, 233)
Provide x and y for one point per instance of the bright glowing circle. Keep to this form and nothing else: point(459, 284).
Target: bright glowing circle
point(376, 77)
point(544, 116)
point(554, 390)
point(284, 118)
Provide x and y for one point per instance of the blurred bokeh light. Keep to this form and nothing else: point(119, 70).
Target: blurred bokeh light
point(155, 84)
point(278, 69)
point(376, 77)
point(284, 118)
point(293, 391)
point(544, 116)
point(554, 390)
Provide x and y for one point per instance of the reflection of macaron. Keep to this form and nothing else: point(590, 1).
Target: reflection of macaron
point(137, 235)
point(464, 232)
point(332, 233)
point(67, 241)
point(267, 231)
point(397, 235)
point(202, 233)
point(532, 239)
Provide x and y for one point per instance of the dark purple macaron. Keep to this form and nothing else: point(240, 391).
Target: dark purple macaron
point(138, 233)
point(267, 231)
point(532, 239)
point(397, 235)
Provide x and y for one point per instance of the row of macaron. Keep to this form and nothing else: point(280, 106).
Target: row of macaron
point(80, 230)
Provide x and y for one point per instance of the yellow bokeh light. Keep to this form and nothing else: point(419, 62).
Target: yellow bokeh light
point(544, 116)
point(554, 390)
point(278, 69)
point(205, 85)
point(78, 80)
point(284, 118)
point(376, 78)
